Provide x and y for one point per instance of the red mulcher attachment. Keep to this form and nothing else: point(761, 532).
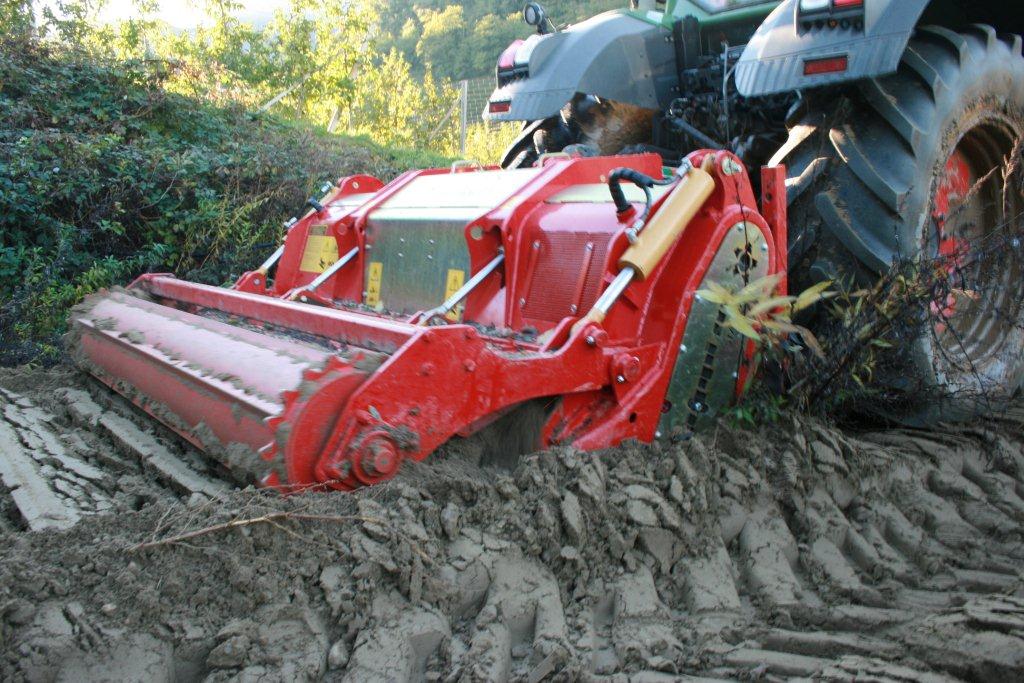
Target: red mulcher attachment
point(397, 317)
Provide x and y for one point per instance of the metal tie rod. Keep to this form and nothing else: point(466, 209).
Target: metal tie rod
point(334, 268)
point(454, 300)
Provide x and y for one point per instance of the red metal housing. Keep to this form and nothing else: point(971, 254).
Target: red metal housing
point(330, 392)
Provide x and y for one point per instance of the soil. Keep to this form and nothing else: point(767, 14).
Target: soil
point(797, 551)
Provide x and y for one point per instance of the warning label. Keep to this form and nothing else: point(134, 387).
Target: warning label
point(373, 276)
point(321, 250)
point(453, 283)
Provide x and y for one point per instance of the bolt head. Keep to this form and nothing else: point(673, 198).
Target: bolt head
point(682, 348)
point(620, 379)
point(590, 340)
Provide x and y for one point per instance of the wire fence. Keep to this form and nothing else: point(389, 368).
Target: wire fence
point(474, 133)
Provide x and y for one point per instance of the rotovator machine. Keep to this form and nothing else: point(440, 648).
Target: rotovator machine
point(397, 317)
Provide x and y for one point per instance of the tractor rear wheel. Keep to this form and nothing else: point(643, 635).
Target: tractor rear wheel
point(921, 167)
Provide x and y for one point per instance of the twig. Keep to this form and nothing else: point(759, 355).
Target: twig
point(270, 518)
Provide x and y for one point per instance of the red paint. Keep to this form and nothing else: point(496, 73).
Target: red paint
point(953, 187)
point(321, 409)
point(828, 65)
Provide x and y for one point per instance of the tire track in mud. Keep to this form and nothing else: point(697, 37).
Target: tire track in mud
point(798, 551)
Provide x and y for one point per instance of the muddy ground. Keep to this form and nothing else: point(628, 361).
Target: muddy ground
point(797, 551)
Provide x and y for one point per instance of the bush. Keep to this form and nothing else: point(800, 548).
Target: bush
point(104, 175)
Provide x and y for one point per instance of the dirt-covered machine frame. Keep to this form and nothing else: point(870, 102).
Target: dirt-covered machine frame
point(403, 315)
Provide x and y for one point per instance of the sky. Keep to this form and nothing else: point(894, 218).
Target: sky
point(187, 14)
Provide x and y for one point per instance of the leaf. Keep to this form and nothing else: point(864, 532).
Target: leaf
point(714, 297)
point(785, 327)
point(813, 295)
point(770, 305)
point(811, 341)
point(759, 288)
point(741, 324)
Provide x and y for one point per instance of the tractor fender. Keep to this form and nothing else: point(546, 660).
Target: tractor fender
point(613, 55)
point(775, 59)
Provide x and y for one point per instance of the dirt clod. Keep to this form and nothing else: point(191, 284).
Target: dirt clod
point(797, 550)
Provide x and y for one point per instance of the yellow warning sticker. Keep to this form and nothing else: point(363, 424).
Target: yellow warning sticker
point(321, 250)
point(373, 275)
point(453, 283)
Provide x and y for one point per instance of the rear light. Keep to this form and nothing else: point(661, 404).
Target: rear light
point(832, 14)
point(499, 107)
point(812, 6)
point(507, 60)
point(827, 65)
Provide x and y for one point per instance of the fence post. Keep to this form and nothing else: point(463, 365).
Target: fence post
point(463, 115)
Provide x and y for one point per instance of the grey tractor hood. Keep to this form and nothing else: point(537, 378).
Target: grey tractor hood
point(613, 55)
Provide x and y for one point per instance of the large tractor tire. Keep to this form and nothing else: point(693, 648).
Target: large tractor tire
point(913, 167)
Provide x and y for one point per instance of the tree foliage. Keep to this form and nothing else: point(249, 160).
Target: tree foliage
point(105, 174)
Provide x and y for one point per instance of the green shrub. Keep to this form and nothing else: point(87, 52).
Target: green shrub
point(105, 175)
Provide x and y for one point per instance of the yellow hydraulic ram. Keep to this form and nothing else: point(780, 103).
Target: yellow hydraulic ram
point(653, 239)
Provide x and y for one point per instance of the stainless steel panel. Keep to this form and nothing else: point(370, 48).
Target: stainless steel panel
point(416, 244)
point(704, 378)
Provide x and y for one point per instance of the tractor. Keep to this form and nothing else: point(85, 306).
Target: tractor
point(897, 121)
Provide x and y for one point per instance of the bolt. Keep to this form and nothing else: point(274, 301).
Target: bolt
point(735, 375)
point(430, 257)
point(590, 340)
point(303, 299)
point(536, 244)
point(522, 302)
point(730, 167)
point(572, 308)
point(697, 297)
point(698, 406)
point(739, 228)
point(657, 435)
point(401, 255)
point(682, 348)
point(764, 246)
point(620, 379)
point(1015, 243)
point(256, 281)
